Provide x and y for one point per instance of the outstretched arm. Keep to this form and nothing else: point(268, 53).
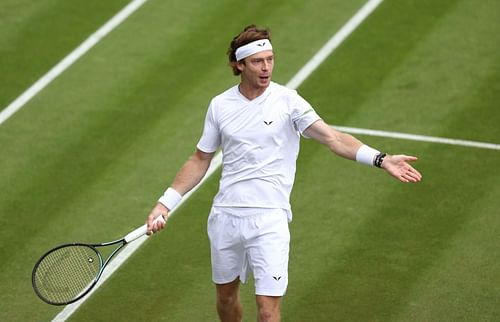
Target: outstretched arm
point(347, 146)
point(191, 173)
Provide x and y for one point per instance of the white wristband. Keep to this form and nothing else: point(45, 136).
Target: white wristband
point(366, 155)
point(170, 199)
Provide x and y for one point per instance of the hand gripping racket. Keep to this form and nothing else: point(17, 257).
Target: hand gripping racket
point(67, 273)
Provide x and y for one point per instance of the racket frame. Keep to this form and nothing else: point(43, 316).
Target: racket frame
point(102, 266)
point(135, 234)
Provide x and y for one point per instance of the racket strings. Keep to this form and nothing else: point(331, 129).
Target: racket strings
point(66, 273)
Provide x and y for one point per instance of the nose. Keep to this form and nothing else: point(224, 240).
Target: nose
point(265, 65)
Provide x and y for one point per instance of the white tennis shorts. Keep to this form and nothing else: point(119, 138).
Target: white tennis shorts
point(256, 240)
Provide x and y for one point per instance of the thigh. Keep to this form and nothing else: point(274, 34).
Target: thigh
point(268, 252)
point(226, 249)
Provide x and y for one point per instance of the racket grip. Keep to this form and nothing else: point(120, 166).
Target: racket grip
point(141, 231)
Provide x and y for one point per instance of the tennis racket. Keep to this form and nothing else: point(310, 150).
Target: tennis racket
point(68, 272)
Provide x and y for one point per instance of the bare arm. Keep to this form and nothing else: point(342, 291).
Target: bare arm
point(193, 170)
point(342, 144)
point(190, 174)
point(345, 145)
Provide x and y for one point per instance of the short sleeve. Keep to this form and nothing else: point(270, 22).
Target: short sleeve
point(303, 114)
point(210, 139)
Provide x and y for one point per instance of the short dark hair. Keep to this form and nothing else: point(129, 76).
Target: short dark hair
point(249, 34)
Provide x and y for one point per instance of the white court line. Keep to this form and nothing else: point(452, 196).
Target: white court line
point(421, 138)
point(294, 83)
point(91, 41)
point(332, 44)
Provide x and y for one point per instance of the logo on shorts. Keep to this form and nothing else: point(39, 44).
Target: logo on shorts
point(277, 278)
point(268, 122)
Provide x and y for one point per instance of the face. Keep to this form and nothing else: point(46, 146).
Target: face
point(257, 69)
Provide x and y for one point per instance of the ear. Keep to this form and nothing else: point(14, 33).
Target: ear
point(240, 65)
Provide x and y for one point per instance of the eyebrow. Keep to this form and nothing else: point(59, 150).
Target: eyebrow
point(262, 58)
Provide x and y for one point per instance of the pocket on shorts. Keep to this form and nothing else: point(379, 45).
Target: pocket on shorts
point(212, 222)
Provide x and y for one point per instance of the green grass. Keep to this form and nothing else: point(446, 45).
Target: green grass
point(36, 35)
point(87, 158)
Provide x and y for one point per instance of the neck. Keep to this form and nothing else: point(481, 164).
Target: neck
point(251, 92)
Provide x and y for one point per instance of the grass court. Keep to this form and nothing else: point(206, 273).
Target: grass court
point(88, 156)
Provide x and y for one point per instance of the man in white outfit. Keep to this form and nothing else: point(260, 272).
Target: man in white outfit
point(257, 124)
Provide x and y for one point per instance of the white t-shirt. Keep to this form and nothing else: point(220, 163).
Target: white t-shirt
point(260, 144)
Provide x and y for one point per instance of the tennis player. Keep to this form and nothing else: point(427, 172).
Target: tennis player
point(258, 124)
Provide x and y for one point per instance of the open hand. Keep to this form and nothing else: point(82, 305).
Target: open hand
point(399, 167)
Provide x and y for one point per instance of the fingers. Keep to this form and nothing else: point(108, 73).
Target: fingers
point(156, 220)
point(410, 177)
point(410, 158)
point(413, 173)
point(410, 174)
point(156, 224)
point(399, 166)
point(405, 158)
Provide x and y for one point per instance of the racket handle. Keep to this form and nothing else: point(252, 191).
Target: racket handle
point(141, 231)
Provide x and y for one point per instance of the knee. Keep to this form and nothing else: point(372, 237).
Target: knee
point(229, 307)
point(228, 294)
point(268, 309)
point(265, 315)
point(227, 299)
point(268, 315)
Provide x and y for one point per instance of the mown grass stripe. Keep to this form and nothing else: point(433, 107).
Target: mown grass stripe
point(333, 43)
point(58, 69)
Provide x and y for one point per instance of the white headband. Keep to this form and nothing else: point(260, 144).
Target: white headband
point(253, 48)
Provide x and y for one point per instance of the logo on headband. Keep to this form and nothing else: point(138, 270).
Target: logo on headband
point(252, 48)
